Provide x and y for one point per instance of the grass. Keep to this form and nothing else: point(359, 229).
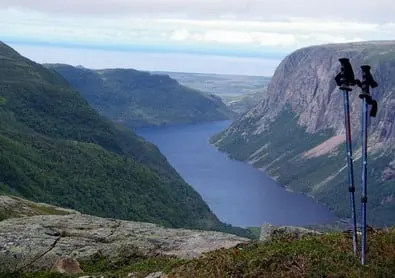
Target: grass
point(328, 255)
point(32, 209)
point(130, 262)
point(44, 210)
point(140, 266)
point(324, 256)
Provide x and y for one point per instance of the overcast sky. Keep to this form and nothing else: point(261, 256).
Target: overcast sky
point(225, 36)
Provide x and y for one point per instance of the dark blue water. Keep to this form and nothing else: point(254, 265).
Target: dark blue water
point(235, 191)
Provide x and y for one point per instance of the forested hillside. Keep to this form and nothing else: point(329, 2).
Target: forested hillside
point(55, 148)
point(138, 99)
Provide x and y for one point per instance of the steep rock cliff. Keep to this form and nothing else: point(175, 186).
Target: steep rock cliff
point(296, 132)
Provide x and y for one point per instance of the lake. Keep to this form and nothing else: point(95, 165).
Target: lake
point(235, 191)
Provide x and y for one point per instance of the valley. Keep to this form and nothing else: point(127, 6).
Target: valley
point(129, 158)
point(197, 139)
point(237, 193)
point(55, 148)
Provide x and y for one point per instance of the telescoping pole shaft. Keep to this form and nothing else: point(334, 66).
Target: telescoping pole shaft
point(351, 186)
point(367, 82)
point(364, 178)
point(345, 79)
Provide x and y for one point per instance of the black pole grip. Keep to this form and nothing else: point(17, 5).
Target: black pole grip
point(346, 77)
point(367, 83)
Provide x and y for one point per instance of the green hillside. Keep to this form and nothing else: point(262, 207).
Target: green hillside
point(55, 148)
point(135, 98)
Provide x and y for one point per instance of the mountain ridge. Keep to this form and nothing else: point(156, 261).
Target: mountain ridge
point(296, 132)
point(139, 99)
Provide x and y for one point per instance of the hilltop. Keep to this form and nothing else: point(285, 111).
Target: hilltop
point(140, 99)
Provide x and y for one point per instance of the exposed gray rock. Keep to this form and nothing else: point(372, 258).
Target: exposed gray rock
point(37, 242)
point(268, 231)
point(305, 81)
point(156, 275)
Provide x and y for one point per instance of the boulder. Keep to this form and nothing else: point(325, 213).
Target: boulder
point(67, 266)
point(269, 231)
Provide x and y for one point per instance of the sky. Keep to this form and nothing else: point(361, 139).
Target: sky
point(215, 36)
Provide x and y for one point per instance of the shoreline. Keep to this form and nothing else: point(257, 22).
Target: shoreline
point(339, 219)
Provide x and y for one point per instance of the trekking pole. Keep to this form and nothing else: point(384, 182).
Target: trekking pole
point(367, 82)
point(344, 80)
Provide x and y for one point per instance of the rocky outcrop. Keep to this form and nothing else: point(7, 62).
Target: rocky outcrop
point(296, 132)
point(37, 242)
point(269, 232)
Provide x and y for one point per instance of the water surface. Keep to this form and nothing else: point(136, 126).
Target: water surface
point(235, 191)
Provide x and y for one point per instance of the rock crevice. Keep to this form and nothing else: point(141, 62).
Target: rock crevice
point(82, 237)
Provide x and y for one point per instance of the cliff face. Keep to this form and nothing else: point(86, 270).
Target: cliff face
point(296, 132)
point(305, 81)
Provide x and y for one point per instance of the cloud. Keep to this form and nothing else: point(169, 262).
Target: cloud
point(240, 29)
point(367, 11)
point(235, 37)
point(243, 28)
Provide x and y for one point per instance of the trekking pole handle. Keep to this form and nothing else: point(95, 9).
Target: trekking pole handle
point(367, 83)
point(346, 77)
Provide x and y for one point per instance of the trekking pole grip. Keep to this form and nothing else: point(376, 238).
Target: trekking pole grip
point(367, 83)
point(346, 77)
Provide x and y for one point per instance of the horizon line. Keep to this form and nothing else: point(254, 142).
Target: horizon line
point(252, 53)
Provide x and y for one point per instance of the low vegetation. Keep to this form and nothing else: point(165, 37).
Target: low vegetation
point(329, 255)
point(13, 207)
point(324, 256)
